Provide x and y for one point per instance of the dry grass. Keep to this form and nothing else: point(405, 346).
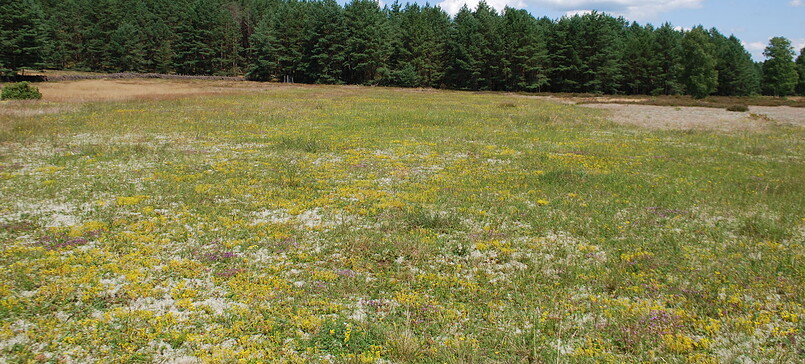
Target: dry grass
point(138, 89)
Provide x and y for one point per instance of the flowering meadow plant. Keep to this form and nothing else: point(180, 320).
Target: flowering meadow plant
point(347, 224)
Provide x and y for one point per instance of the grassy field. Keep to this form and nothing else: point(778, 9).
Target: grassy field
point(353, 224)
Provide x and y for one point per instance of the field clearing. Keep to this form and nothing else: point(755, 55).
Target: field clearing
point(218, 222)
point(758, 118)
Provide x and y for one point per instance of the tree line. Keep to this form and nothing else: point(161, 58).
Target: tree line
point(320, 41)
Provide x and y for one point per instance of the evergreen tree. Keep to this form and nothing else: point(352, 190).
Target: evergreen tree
point(465, 65)
point(289, 30)
point(265, 65)
point(639, 62)
point(801, 71)
point(430, 55)
point(21, 35)
point(598, 45)
point(564, 58)
point(736, 71)
point(666, 56)
point(200, 38)
point(699, 74)
point(125, 49)
point(420, 58)
point(328, 38)
point(779, 72)
point(367, 46)
point(490, 52)
point(525, 55)
point(396, 69)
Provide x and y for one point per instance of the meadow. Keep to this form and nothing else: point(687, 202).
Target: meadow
point(372, 225)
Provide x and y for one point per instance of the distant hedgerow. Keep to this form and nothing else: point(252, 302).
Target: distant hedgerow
point(20, 91)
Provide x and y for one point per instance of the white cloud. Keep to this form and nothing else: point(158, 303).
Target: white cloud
point(631, 9)
point(798, 44)
point(453, 6)
point(755, 49)
point(573, 13)
point(796, 3)
point(754, 46)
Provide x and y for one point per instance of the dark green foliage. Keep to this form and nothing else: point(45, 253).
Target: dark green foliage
point(21, 37)
point(666, 56)
point(564, 60)
point(367, 45)
point(779, 71)
point(699, 74)
point(736, 72)
point(410, 45)
point(639, 61)
point(599, 52)
point(327, 39)
point(801, 72)
point(525, 56)
point(264, 47)
point(20, 91)
point(465, 66)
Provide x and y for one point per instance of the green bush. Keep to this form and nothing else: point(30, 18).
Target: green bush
point(738, 108)
point(20, 91)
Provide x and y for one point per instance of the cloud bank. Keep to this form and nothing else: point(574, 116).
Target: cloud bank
point(631, 9)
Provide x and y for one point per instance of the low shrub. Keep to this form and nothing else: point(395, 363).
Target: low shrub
point(20, 91)
point(738, 108)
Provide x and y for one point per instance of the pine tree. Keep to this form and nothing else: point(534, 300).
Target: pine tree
point(490, 52)
point(21, 35)
point(265, 63)
point(564, 58)
point(465, 65)
point(779, 72)
point(598, 44)
point(801, 71)
point(125, 49)
point(666, 51)
point(639, 62)
point(419, 40)
point(328, 36)
point(699, 74)
point(367, 46)
point(200, 39)
point(526, 54)
point(736, 71)
point(289, 30)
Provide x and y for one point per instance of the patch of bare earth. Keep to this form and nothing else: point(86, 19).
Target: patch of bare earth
point(701, 118)
point(130, 89)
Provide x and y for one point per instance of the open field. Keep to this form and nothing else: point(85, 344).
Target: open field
point(267, 222)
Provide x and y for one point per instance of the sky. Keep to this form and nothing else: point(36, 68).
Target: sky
point(754, 22)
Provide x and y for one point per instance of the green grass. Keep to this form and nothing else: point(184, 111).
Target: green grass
point(358, 224)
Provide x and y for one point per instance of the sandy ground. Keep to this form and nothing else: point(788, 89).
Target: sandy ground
point(118, 90)
point(701, 118)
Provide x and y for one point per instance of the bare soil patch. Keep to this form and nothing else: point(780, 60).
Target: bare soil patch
point(119, 90)
point(702, 118)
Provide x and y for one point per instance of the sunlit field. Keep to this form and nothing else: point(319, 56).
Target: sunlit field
point(370, 225)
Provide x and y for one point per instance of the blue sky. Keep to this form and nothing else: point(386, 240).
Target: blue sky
point(753, 22)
